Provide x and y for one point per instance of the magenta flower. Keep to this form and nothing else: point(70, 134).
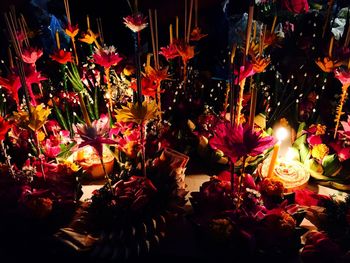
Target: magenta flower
point(239, 141)
point(95, 135)
point(31, 55)
point(244, 72)
point(343, 76)
point(169, 52)
point(346, 129)
point(136, 22)
point(107, 57)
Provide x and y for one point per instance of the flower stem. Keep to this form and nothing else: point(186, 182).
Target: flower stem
point(340, 112)
point(138, 67)
point(232, 170)
point(83, 109)
point(240, 181)
point(110, 102)
point(143, 153)
point(106, 175)
point(36, 135)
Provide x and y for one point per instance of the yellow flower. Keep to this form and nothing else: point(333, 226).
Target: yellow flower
point(135, 113)
point(71, 166)
point(89, 38)
point(327, 64)
point(71, 31)
point(319, 151)
point(38, 117)
point(21, 118)
point(41, 136)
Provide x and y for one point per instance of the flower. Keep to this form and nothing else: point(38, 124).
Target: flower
point(106, 57)
point(196, 34)
point(169, 52)
point(317, 129)
point(260, 63)
point(295, 6)
point(135, 22)
point(62, 56)
point(72, 31)
point(346, 129)
point(343, 76)
point(89, 37)
point(31, 55)
point(271, 187)
point(4, 128)
point(185, 51)
point(138, 114)
point(240, 141)
point(319, 151)
point(12, 85)
point(244, 72)
point(51, 146)
point(38, 117)
point(327, 64)
point(94, 135)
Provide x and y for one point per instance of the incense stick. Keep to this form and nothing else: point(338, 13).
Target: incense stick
point(66, 6)
point(330, 50)
point(177, 27)
point(171, 33)
point(156, 34)
point(273, 24)
point(152, 35)
point(88, 22)
point(327, 17)
point(189, 22)
point(249, 28)
point(185, 30)
point(58, 40)
point(195, 13)
point(100, 31)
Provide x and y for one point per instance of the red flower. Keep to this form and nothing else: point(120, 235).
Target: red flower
point(72, 31)
point(31, 55)
point(185, 51)
point(295, 6)
point(169, 52)
point(239, 141)
point(149, 86)
point(196, 34)
point(244, 72)
point(136, 22)
point(62, 56)
point(4, 128)
point(343, 76)
point(106, 57)
point(12, 85)
point(51, 146)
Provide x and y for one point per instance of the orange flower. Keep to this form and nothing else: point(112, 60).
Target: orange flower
point(72, 31)
point(260, 63)
point(62, 56)
point(327, 64)
point(158, 75)
point(196, 34)
point(89, 38)
point(185, 51)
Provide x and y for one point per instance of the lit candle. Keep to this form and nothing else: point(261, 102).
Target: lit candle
point(281, 134)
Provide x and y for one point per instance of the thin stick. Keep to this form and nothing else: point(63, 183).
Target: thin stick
point(185, 32)
point(249, 28)
point(273, 24)
point(171, 33)
point(9, 54)
point(252, 106)
point(329, 11)
point(88, 22)
point(156, 34)
point(254, 31)
point(189, 22)
point(195, 13)
point(177, 27)
point(66, 6)
point(330, 49)
point(24, 29)
point(100, 31)
point(58, 40)
point(152, 35)
point(347, 39)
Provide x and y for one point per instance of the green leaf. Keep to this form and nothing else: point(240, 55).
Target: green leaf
point(301, 128)
point(331, 165)
point(299, 141)
point(66, 150)
point(304, 152)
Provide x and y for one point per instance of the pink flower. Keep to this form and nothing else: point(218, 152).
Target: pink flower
point(94, 135)
point(52, 147)
point(106, 57)
point(295, 6)
point(345, 133)
point(314, 140)
point(236, 142)
point(343, 76)
point(135, 22)
point(31, 55)
point(244, 72)
point(169, 52)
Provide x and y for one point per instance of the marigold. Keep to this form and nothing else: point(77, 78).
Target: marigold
point(319, 151)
